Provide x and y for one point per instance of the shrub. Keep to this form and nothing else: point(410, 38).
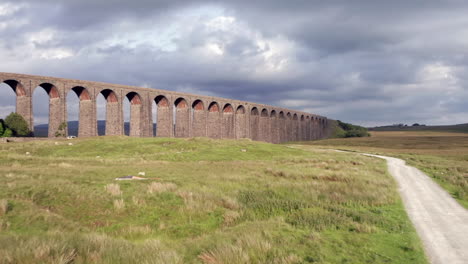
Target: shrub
point(347, 130)
point(61, 131)
point(16, 123)
point(4, 130)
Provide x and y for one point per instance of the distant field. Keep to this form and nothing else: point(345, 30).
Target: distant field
point(442, 155)
point(461, 128)
point(208, 201)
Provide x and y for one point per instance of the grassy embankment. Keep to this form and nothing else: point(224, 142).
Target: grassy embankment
point(442, 155)
point(209, 202)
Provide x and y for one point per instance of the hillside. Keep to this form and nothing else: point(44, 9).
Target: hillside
point(205, 201)
point(460, 128)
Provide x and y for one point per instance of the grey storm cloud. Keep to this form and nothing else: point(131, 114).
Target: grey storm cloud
point(367, 62)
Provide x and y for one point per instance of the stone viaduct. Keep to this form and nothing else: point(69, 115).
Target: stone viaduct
point(178, 114)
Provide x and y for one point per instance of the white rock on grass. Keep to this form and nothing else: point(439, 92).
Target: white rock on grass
point(141, 173)
point(27, 153)
point(70, 144)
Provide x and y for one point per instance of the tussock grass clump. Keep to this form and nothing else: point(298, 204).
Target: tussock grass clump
point(80, 249)
point(4, 206)
point(119, 204)
point(159, 187)
point(113, 189)
point(253, 248)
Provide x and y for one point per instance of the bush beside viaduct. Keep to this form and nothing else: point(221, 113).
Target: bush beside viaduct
point(178, 114)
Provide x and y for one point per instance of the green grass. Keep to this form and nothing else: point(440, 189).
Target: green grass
point(208, 201)
point(443, 156)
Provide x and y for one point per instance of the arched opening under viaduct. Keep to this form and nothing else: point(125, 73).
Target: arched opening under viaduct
point(133, 114)
point(274, 127)
point(198, 119)
point(240, 124)
point(213, 126)
point(282, 126)
point(11, 91)
point(228, 122)
point(80, 112)
point(109, 114)
point(264, 126)
point(295, 128)
point(289, 129)
point(181, 118)
point(162, 117)
point(254, 124)
point(47, 114)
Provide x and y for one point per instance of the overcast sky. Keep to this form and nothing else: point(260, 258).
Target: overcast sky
point(367, 62)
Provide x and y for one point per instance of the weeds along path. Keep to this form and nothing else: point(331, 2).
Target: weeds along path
point(440, 221)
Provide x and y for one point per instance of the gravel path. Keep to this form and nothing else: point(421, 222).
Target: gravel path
point(442, 223)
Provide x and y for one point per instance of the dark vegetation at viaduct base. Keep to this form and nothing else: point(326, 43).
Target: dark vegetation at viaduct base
point(178, 114)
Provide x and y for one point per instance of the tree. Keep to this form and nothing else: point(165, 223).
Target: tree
point(18, 126)
point(61, 131)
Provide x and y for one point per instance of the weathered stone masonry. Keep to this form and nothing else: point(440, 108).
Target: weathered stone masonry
point(178, 114)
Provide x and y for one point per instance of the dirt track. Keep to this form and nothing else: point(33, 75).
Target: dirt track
point(440, 221)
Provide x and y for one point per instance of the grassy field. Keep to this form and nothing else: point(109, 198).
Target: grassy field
point(207, 201)
point(442, 155)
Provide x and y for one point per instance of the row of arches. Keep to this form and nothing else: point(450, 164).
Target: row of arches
point(128, 113)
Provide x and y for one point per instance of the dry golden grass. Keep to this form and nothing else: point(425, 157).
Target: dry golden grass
point(442, 155)
point(3, 206)
point(113, 189)
point(159, 187)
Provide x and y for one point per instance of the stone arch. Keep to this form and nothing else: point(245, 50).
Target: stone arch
point(307, 128)
point(289, 128)
point(17, 87)
point(254, 124)
point(227, 130)
point(295, 127)
point(113, 123)
point(56, 111)
point(281, 126)
point(136, 115)
point(274, 127)
point(163, 116)
point(22, 100)
point(198, 119)
point(302, 127)
point(240, 123)
point(213, 123)
point(85, 112)
point(182, 118)
point(264, 126)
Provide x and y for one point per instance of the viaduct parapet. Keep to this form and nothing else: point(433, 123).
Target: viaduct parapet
point(178, 114)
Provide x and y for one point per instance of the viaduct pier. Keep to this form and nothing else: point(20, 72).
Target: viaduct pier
point(177, 114)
